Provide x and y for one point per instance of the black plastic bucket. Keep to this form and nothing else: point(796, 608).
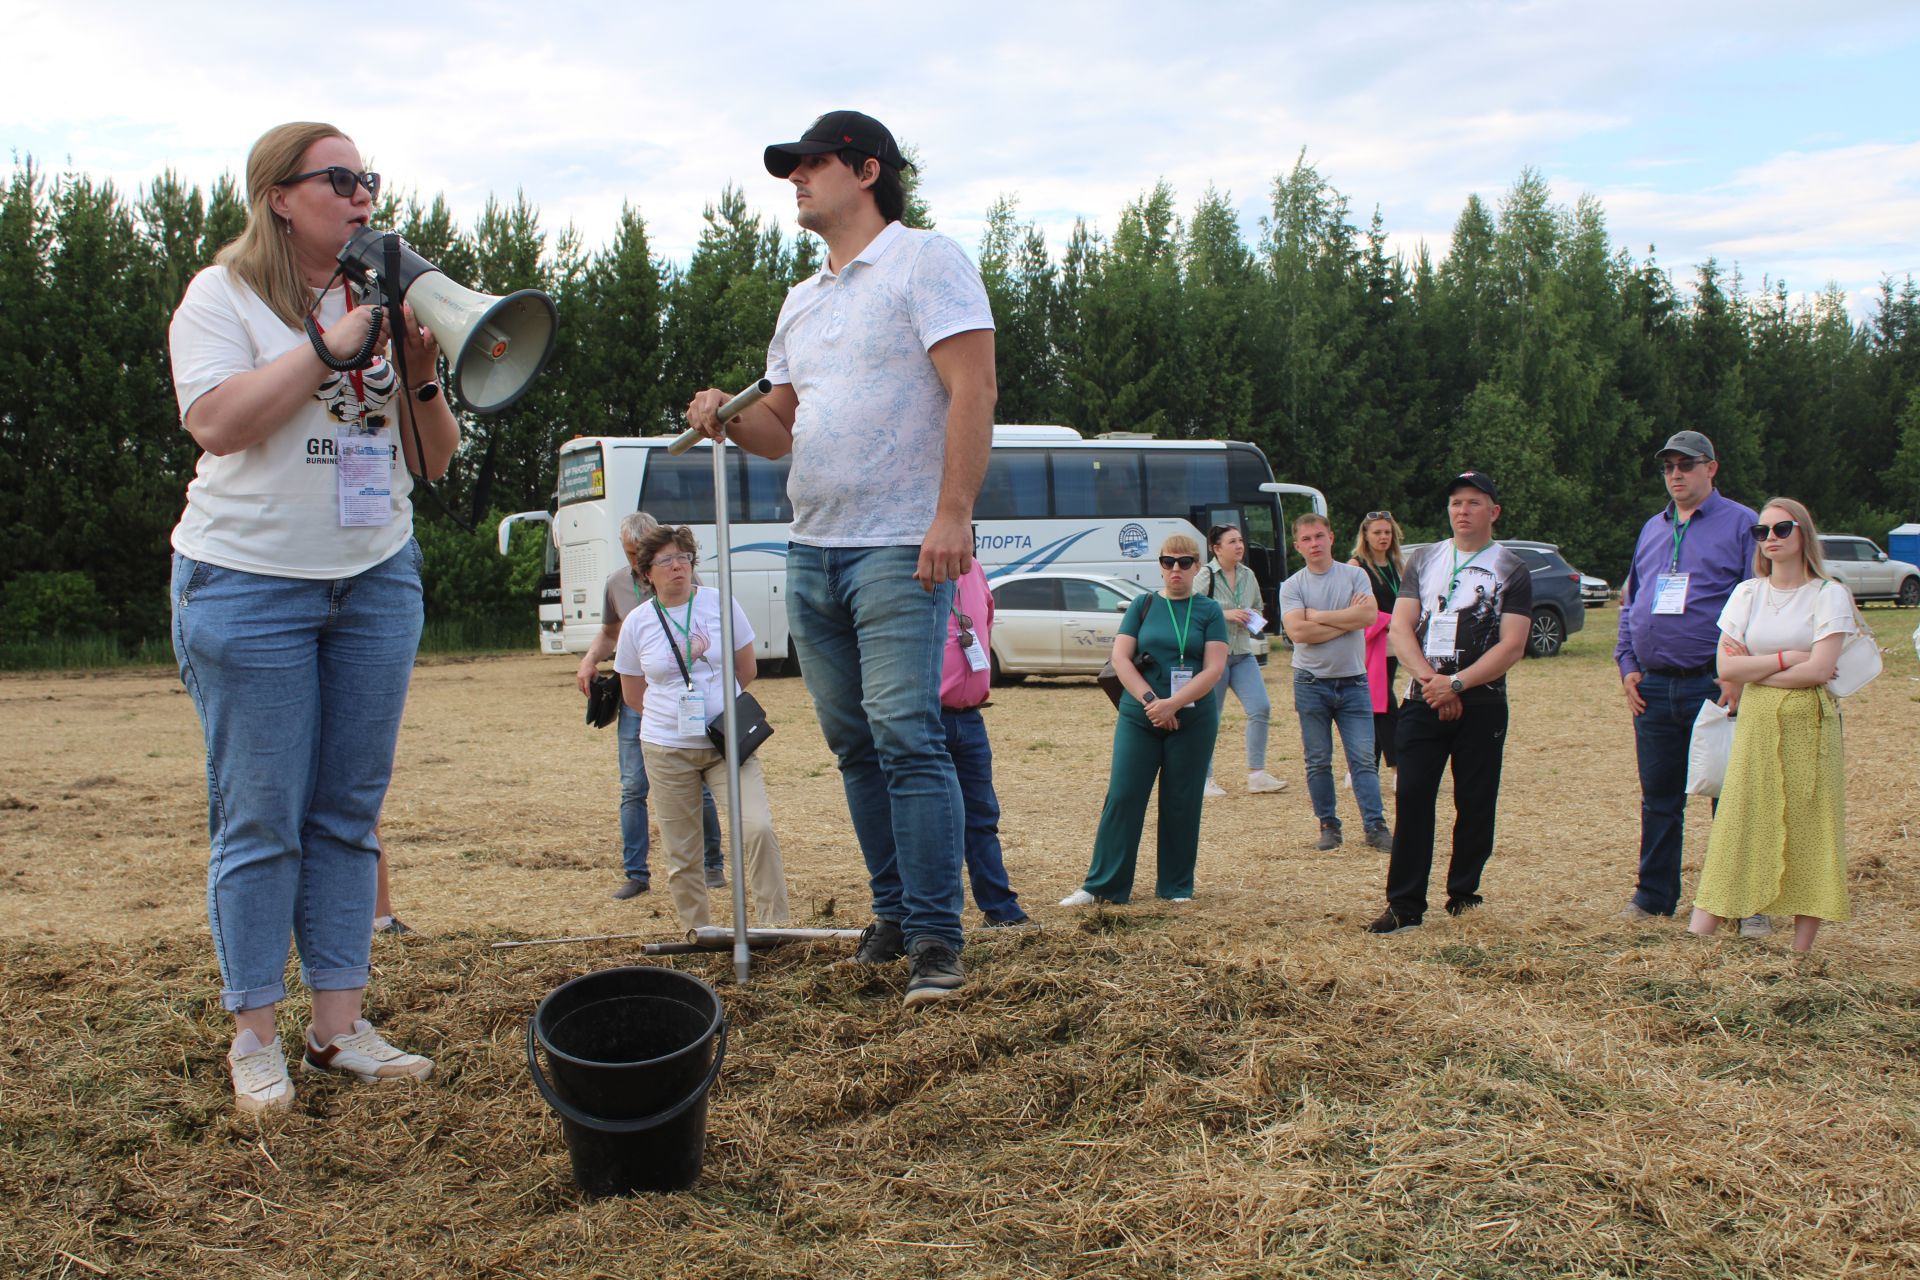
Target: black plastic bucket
point(630, 1052)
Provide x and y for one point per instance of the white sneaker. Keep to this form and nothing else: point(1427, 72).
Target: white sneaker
point(361, 1052)
point(1213, 790)
point(1260, 780)
point(260, 1081)
point(1756, 927)
point(1179, 899)
point(1078, 898)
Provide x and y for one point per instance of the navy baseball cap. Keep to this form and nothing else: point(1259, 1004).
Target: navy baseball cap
point(1474, 480)
point(837, 131)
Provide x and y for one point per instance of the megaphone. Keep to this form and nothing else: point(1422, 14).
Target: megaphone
point(497, 346)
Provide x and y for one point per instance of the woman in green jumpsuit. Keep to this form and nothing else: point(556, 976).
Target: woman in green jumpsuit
point(1169, 655)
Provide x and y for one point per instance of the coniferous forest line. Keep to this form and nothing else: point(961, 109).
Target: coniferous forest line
point(1534, 348)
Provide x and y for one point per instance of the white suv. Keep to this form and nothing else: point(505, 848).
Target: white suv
point(1867, 571)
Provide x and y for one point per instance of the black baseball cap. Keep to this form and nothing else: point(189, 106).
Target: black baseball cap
point(837, 131)
point(1474, 480)
point(1688, 444)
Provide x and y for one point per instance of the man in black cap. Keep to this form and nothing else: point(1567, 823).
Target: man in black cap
point(884, 389)
point(1690, 557)
point(1460, 622)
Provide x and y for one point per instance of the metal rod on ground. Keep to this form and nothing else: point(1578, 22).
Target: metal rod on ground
point(726, 413)
point(710, 937)
point(729, 719)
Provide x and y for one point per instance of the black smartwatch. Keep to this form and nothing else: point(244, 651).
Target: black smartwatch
point(427, 392)
point(1150, 699)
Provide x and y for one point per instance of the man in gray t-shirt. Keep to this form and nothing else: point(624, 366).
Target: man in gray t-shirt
point(1324, 609)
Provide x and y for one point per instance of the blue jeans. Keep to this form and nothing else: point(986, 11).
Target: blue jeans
point(1249, 684)
point(973, 766)
point(1345, 701)
point(299, 684)
point(1662, 736)
point(870, 642)
point(633, 805)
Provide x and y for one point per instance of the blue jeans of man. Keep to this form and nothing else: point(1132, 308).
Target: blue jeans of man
point(1345, 701)
point(1249, 684)
point(973, 765)
point(870, 643)
point(634, 838)
point(1662, 737)
point(299, 684)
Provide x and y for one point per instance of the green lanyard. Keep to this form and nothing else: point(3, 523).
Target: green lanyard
point(1680, 528)
point(686, 629)
point(1179, 627)
point(1388, 576)
point(1453, 584)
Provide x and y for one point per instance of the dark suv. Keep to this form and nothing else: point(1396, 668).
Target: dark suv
point(1558, 610)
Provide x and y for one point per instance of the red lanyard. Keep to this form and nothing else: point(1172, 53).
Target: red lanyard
point(357, 376)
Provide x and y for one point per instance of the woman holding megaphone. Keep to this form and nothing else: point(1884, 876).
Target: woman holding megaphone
point(296, 596)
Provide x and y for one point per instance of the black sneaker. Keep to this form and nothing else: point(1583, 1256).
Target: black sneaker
point(1381, 837)
point(1391, 921)
point(1330, 836)
point(1021, 921)
point(629, 889)
point(1458, 907)
point(936, 972)
point(879, 943)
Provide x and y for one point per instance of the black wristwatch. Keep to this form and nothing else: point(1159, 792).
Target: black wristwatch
point(426, 392)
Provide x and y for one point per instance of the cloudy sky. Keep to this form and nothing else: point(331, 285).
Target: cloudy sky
point(1772, 135)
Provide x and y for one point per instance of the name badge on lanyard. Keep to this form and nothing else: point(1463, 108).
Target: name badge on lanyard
point(365, 477)
point(1177, 679)
point(692, 713)
point(970, 647)
point(1443, 636)
point(1670, 593)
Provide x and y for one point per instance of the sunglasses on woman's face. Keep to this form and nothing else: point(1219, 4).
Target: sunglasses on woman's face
point(344, 180)
point(1178, 562)
point(1779, 529)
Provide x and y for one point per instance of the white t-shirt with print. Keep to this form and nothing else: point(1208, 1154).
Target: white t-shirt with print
point(274, 507)
point(870, 433)
point(643, 652)
point(1767, 620)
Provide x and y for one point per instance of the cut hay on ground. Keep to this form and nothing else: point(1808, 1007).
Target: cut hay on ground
point(1243, 1087)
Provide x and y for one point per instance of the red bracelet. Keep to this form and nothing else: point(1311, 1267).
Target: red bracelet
point(1783, 659)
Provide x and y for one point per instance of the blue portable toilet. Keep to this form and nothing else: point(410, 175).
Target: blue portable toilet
point(1904, 543)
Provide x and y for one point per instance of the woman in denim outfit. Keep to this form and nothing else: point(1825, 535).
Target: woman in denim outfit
point(296, 598)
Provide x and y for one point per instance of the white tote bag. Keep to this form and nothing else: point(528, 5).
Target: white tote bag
point(1859, 663)
point(1707, 755)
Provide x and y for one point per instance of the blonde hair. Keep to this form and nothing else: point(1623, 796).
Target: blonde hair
point(1179, 544)
point(1362, 553)
point(260, 255)
point(1816, 563)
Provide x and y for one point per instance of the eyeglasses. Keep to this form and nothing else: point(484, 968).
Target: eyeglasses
point(1379, 515)
point(344, 180)
point(670, 561)
point(1779, 529)
point(1683, 465)
point(1178, 562)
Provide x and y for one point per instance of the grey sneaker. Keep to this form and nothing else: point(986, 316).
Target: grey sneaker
point(716, 877)
point(1330, 837)
point(880, 942)
point(1634, 913)
point(936, 972)
point(629, 889)
point(1756, 927)
point(1381, 837)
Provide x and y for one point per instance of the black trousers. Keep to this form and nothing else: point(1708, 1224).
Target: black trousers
point(1474, 744)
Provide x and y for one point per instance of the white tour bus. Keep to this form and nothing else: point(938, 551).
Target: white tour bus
point(1050, 500)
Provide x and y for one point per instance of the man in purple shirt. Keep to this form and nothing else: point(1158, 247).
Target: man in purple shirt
point(1688, 560)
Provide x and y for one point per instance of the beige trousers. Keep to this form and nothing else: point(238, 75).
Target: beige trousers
point(674, 775)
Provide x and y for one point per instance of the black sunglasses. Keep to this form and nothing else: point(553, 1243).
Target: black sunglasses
point(1682, 465)
point(344, 180)
point(1780, 529)
point(1379, 515)
point(1178, 562)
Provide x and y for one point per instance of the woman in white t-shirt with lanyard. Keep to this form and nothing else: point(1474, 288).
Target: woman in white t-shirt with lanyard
point(1230, 584)
point(296, 598)
point(1779, 834)
point(671, 672)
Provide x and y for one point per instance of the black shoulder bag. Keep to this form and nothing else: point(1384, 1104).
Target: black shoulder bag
point(747, 712)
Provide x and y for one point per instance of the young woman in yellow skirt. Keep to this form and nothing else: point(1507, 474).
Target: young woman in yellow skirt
point(1779, 842)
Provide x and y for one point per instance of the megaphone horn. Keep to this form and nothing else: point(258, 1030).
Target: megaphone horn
point(497, 346)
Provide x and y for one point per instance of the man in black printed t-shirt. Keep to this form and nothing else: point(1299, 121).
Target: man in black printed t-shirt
point(1460, 622)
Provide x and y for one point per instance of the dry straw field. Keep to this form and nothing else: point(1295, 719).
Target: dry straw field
point(1246, 1086)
